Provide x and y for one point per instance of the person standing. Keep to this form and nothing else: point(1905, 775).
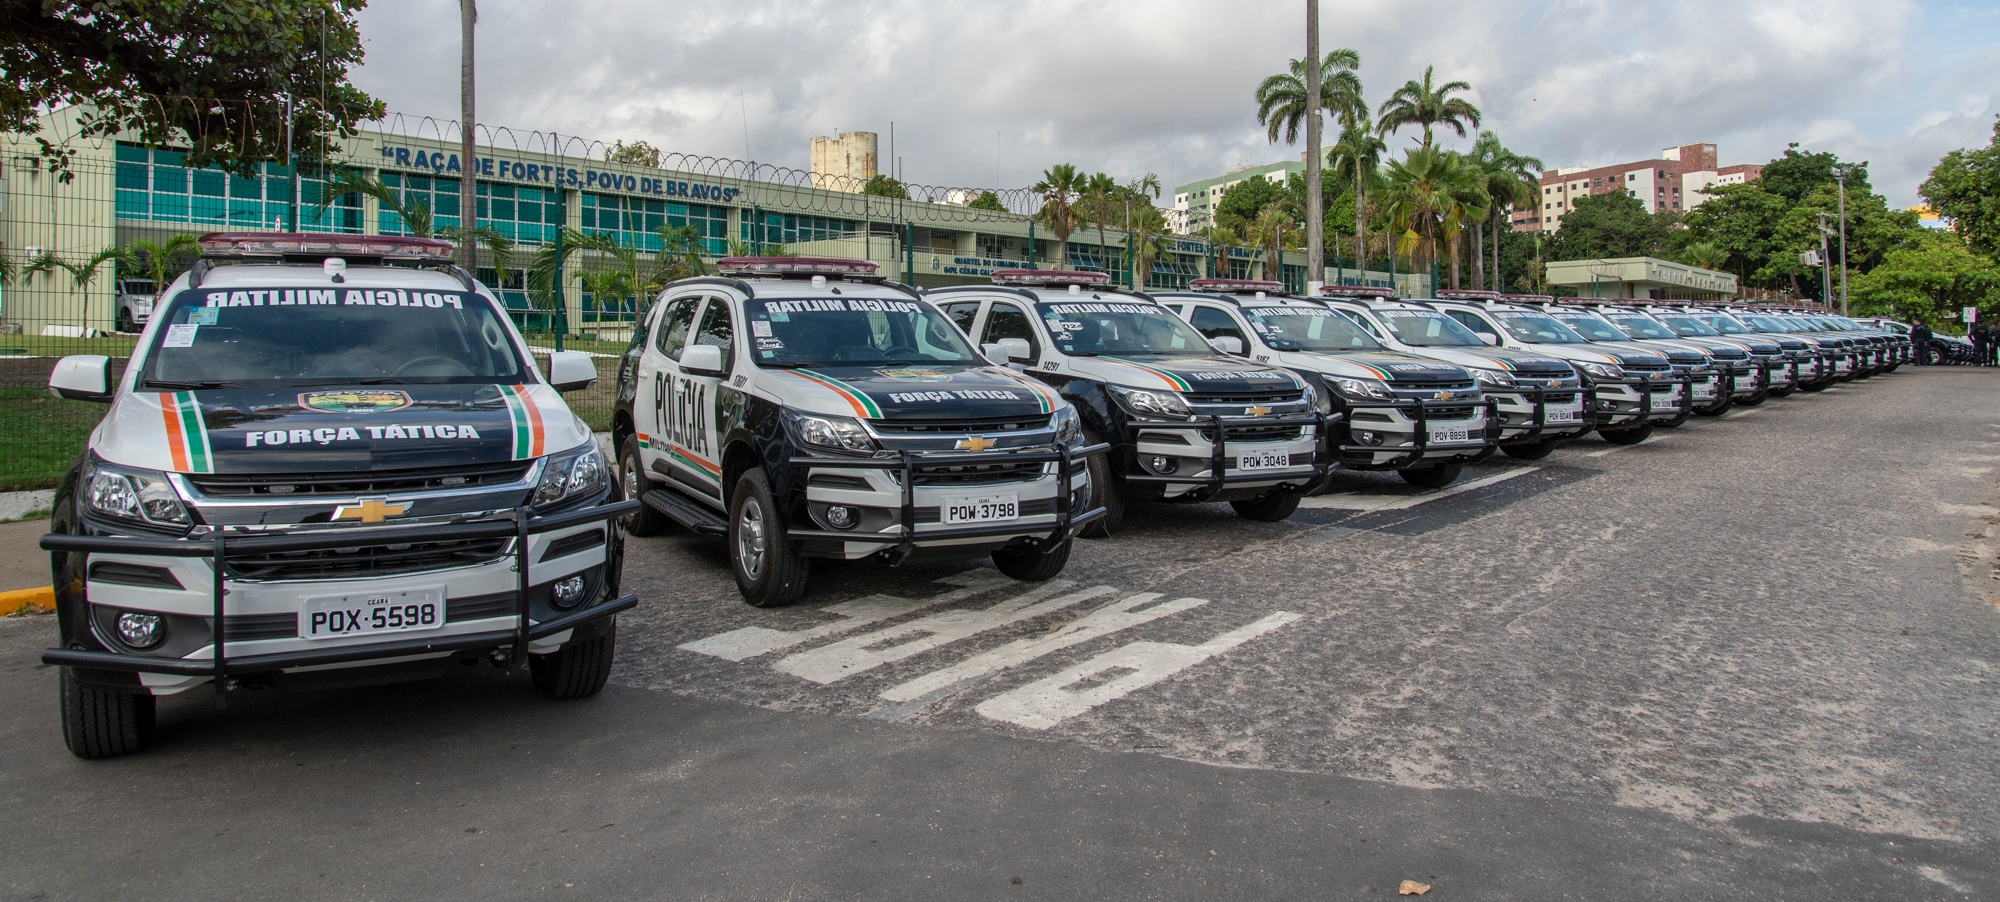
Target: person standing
point(1920, 335)
point(1981, 339)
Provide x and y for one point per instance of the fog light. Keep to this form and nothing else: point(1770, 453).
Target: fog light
point(1606, 405)
point(841, 517)
point(569, 591)
point(141, 630)
point(1370, 438)
point(1165, 466)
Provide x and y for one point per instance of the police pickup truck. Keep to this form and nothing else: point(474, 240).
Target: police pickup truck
point(1632, 388)
point(1834, 357)
point(1185, 422)
point(807, 408)
point(331, 461)
point(1704, 383)
point(1802, 360)
point(1731, 370)
point(1539, 398)
point(1768, 357)
point(1421, 417)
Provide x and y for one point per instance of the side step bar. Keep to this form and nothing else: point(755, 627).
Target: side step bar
point(692, 515)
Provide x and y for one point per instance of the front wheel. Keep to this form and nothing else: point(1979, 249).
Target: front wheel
point(100, 724)
point(1103, 491)
point(633, 484)
point(1268, 509)
point(125, 323)
point(1432, 477)
point(1532, 450)
point(1033, 564)
point(1815, 386)
point(1627, 436)
point(769, 571)
point(576, 670)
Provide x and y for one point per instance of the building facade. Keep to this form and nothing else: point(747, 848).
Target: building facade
point(1672, 182)
point(1642, 278)
point(1195, 202)
point(845, 162)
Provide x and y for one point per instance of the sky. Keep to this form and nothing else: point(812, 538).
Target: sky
point(991, 94)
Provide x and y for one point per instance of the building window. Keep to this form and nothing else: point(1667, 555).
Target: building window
point(522, 213)
point(635, 221)
point(785, 228)
point(1631, 176)
point(438, 195)
point(154, 185)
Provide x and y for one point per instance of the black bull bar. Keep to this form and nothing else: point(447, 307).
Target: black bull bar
point(218, 547)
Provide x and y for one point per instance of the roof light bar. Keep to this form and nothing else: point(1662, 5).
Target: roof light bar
point(787, 266)
point(309, 244)
point(1356, 291)
point(1237, 286)
point(1469, 294)
point(1044, 277)
point(1529, 298)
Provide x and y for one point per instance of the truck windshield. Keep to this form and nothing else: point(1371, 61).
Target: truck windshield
point(1307, 329)
point(285, 337)
point(1591, 327)
point(1537, 328)
point(1690, 327)
point(1768, 324)
point(1724, 323)
point(1428, 329)
point(837, 331)
point(1641, 327)
point(1120, 329)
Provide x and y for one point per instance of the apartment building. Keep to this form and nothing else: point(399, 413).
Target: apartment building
point(1672, 182)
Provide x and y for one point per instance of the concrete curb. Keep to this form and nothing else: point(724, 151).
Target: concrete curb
point(43, 598)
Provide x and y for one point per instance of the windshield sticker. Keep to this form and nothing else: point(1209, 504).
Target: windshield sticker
point(861, 305)
point(180, 336)
point(770, 344)
point(355, 401)
point(760, 328)
point(1288, 311)
point(963, 394)
point(1100, 308)
point(203, 317)
point(915, 374)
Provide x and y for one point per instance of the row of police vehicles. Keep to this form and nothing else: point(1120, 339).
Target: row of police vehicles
point(334, 461)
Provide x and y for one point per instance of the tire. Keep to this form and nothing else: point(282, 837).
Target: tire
point(1627, 436)
point(1815, 386)
point(1532, 450)
point(576, 670)
point(100, 724)
point(1032, 564)
point(1103, 491)
point(1754, 400)
point(123, 322)
point(1268, 509)
point(633, 483)
point(769, 571)
point(1434, 477)
point(1785, 392)
point(1717, 410)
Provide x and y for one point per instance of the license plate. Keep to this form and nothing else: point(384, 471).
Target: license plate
point(1704, 392)
point(1560, 416)
point(981, 508)
point(1441, 434)
point(1667, 402)
point(339, 616)
point(1263, 460)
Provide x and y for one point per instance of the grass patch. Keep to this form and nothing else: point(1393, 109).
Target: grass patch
point(51, 346)
point(40, 436)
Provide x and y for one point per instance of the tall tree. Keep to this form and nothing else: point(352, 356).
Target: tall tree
point(1060, 186)
point(1427, 104)
point(1358, 155)
point(1964, 187)
point(1281, 99)
point(1246, 199)
point(1430, 195)
point(1600, 226)
point(211, 77)
point(1511, 180)
point(1928, 277)
point(468, 195)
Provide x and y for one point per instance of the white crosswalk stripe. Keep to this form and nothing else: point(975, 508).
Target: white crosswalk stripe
point(859, 654)
point(1370, 502)
point(751, 641)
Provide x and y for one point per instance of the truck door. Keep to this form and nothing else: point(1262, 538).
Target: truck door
point(1010, 319)
point(659, 368)
point(690, 414)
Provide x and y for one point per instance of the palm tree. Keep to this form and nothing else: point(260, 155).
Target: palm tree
point(498, 246)
point(1060, 186)
point(1428, 105)
point(1221, 235)
point(1705, 254)
point(1431, 194)
point(1281, 99)
point(1358, 153)
point(1268, 230)
point(1097, 200)
point(1511, 180)
point(161, 259)
point(416, 216)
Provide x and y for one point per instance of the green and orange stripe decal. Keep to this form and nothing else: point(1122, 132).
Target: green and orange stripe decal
point(526, 420)
point(862, 404)
point(1381, 374)
point(187, 434)
point(694, 462)
point(1173, 381)
point(1041, 392)
point(1503, 364)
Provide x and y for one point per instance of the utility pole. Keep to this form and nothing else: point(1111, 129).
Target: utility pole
point(1825, 266)
point(1315, 215)
point(1840, 174)
point(468, 167)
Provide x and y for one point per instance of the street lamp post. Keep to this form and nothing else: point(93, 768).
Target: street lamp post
point(1825, 266)
point(1840, 174)
point(1315, 215)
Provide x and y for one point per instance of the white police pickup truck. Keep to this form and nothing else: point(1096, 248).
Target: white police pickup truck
point(807, 408)
point(1421, 417)
point(331, 461)
point(1185, 422)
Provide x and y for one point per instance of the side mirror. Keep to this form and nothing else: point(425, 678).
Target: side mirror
point(82, 377)
point(1017, 349)
point(1228, 344)
point(702, 360)
point(1489, 338)
point(995, 353)
point(571, 371)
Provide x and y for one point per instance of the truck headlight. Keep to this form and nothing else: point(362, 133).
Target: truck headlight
point(1493, 378)
point(1603, 370)
point(1151, 403)
point(1069, 430)
point(1363, 390)
point(834, 433)
point(572, 475)
point(142, 496)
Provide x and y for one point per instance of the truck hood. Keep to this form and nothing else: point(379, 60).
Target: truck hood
point(1521, 363)
point(1388, 366)
point(336, 430)
point(1219, 375)
point(925, 392)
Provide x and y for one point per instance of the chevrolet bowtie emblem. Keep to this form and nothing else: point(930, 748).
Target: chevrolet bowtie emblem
point(370, 510)
point(975, 443)
point(1256, 411)
point(1446, 396)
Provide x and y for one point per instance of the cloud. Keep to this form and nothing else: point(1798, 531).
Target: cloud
point(988, 91)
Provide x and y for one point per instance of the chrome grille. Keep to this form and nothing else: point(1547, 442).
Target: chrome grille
point(292, 485)
point(961, 425)
point(366, 560)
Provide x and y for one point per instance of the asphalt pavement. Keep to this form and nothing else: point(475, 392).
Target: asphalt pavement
point(1753, 657)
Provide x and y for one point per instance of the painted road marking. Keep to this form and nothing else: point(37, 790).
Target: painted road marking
point(1072, 691)
point(936, 685)
point(859, 654)
point(1614, 449)
point(1741, 412)
point(1358, 501)
point(751, 641)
